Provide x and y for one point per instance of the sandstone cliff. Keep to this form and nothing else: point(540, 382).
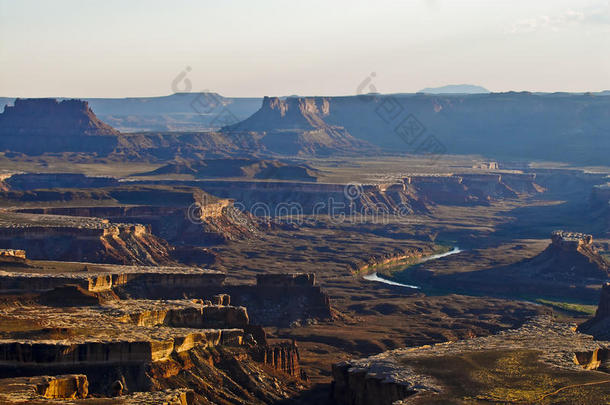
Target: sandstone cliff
point(178, 214)
point(100, 243)
point(412, 194)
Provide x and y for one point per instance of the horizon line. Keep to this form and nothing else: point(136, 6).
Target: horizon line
point(310, 96)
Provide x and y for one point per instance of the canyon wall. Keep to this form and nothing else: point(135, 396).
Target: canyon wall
point(178, 214)
point(359, 388)
point(275, 300)
point(111, 352)
point(281, 299)
point(139, 279)
point(205, 317)
point(281, 356)
point(110, 243)
point(411, 194)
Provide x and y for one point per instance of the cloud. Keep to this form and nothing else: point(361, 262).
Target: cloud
point(596, 15)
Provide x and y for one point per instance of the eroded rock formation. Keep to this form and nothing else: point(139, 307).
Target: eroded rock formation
point(570, 256)
point(94, 241)
point(281, 356)
point(140, 279)
point(179, 214)
point(147, 345)
point(12, 256)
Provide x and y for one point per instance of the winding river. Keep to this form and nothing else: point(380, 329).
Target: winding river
point(375, 276)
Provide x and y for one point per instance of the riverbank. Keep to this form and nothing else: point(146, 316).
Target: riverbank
point(389, 265)
point(375, 276)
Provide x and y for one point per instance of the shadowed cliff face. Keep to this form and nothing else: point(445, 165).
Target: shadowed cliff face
point(600, 204)
point(599, 325)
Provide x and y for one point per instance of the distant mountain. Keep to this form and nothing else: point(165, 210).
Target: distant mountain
point(46, 125)
point(296, 126)
point(455, 89)
point(177, 112)
point(562, 127)
point(524, 126)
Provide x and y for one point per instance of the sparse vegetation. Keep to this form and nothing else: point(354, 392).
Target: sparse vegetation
point(569, 307)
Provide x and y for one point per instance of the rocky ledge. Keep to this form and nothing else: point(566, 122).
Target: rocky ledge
point(100, 277)
point(42, 390)
point(396, 375)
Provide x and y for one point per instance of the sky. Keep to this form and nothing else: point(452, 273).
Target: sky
point(241, 48)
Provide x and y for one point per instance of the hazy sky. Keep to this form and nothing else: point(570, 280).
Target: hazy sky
point(253, 48)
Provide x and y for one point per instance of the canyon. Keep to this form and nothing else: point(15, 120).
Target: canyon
point(190, 262)
point(144, 344)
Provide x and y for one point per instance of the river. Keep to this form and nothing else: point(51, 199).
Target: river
point(375, 276)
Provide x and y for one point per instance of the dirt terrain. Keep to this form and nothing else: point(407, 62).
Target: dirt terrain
point(289, 342)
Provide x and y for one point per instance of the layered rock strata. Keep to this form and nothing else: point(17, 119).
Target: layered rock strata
point(145, 345)
point(111, 277)
point(51, 237)
point(281, 356)
point(410, 194)
point(296, 126)
point(181, 215)
point(42, 390)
